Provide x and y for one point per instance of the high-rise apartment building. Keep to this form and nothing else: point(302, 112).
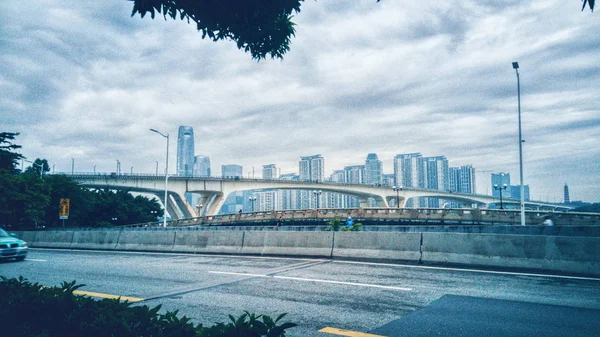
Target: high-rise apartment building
point(389, 180)
point(202, 166)
point(408, 170)
point(373, 170)
point(312, 168)
point(265, 201)
point(185, 151)
point(288, 199)
point(354, 174)
point(269, 172)
point(435, 174)
point(567, 198)
point(462, 179)
point(232, 171)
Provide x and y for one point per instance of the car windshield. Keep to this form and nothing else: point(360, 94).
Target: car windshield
point(3, 234)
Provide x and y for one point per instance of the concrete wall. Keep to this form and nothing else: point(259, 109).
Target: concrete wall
point(288, 243)
point(568, 254)
point(371, 245)
point(227, 242)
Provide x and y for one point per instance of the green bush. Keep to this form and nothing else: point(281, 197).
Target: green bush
point(32, 310)
point(353, 228)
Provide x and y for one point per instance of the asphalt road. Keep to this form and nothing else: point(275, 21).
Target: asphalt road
point(381, 299)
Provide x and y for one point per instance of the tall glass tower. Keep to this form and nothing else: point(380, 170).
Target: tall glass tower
point(373, 170)
point(185, 151)
point(202, 166)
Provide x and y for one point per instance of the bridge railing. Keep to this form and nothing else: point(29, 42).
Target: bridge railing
point(393, 216)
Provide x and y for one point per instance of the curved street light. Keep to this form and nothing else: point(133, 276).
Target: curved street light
point(516, 68)
point(166, 176)
point(500, 188)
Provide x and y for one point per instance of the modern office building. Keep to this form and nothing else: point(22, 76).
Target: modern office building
point(232, 171)
point(201, 166)
point(500, 179)
point(515, 192)
point(185, 151)
point(312, 168)
point(269, 172)
point(567, 198)
point(373, 170)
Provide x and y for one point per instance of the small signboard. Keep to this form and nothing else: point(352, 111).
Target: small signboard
point(63, 212)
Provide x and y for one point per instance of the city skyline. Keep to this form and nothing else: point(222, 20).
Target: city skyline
point(85, 80)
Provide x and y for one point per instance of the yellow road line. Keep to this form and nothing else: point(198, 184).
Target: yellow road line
point(342, 332)
point(101, 295)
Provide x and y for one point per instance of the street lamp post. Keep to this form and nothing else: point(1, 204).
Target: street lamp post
point(157, 167)
point(516, 68)
point(166, 175)
point(131, 171)
point(500, 188)
point(72, 165)
point(317, 196)
point(118, 167)
point(397, 189)
point(94, 169)
point(252, 200)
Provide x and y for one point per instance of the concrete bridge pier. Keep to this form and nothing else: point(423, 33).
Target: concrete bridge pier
point(216, 204)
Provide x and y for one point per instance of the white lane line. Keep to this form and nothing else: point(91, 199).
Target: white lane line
point(470, 270)
point(36, 260)
point(238, 274)
point(315, 280)
point(340, 282)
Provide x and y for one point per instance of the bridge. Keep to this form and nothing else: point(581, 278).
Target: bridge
point(214, 190)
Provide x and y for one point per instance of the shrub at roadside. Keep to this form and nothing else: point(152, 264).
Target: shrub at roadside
point(32, 310)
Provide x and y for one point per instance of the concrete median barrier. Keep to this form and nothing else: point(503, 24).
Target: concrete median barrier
point(226, 242)
point(377, 245)
point(316, 244)
point(52, 239)
point(156, 241)
point(559, 253)
point(103, 240)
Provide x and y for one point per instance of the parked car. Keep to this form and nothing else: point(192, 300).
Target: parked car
point(11, 247)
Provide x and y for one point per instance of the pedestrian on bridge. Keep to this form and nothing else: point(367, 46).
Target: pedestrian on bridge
point(349, 222)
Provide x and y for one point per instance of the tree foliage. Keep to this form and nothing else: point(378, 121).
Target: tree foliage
point(591, 4)
point(30, 199)
point(8, 158)
point(259, 27)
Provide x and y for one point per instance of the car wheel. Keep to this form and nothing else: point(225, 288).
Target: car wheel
point(20, 258)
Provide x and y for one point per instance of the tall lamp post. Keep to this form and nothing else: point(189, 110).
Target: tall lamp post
point(500, 188)
point(72, 165)
point(166, 175)
point(516, 68)
point(317, 196)
point(397, 189)
point(252, 200)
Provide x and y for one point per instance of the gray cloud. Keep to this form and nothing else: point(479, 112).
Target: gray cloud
point(87, 81)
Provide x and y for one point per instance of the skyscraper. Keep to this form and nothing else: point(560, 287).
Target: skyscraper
point(185, 151)
point(269, 172)
point(353, 175)
point(567, 198)
point(461, 180)
point(202, 166)
point(408, 170)
point(435, 174)
point(232, 171)
point(373, 170)
point(312, 168)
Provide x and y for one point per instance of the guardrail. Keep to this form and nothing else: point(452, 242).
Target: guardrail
point(392, 216)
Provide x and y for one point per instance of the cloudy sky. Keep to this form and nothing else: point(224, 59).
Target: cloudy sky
point(85, 80)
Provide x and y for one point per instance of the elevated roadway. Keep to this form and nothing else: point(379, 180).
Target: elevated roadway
point(214, 191)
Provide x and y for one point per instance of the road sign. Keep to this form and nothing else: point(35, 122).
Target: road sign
point(63, 212)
